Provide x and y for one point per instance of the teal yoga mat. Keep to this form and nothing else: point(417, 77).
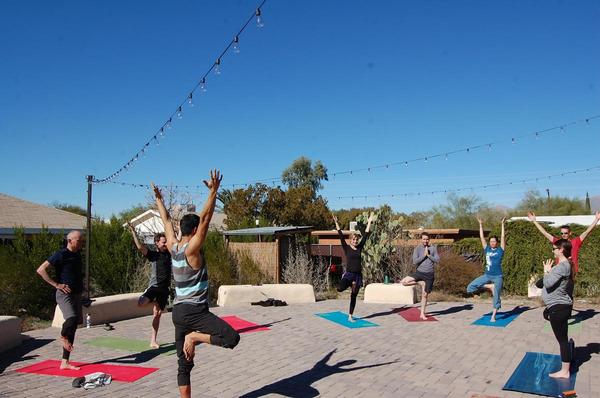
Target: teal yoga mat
point(531, 376)
point(342, 319)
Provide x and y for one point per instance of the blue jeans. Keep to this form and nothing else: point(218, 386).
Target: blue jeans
point(477, 284)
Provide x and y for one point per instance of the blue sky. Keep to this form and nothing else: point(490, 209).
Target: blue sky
point(85, 84)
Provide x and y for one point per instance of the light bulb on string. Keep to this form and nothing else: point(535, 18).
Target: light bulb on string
point(512, 140)
point(259, 19)
point(203, 85)
point(161, 134)
point(236, 45)
point(191, 100)
point(218, 66)
point(179, 113)
point(169, 123)
point(489, 147)
point(446, 157)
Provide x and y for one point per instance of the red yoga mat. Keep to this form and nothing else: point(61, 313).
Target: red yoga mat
point(124, 373)
point(413, 314)
point(243, 326)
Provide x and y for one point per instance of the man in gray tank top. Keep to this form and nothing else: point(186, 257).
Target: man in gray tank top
point(194, 323)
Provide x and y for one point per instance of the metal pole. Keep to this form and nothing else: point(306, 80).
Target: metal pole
point(88, 236)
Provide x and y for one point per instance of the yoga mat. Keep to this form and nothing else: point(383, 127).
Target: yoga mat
point(502, 319)
point(413, 314)
point(531, 376)
point(342, 319)
point(123, 373)
point(131, 345)
point(243, 326)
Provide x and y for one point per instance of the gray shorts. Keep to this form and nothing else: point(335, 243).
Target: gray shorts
point(70, 305)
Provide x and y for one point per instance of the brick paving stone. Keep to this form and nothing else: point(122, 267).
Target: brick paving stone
point(302, 352)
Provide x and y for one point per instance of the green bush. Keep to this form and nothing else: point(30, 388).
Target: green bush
point(114, 259)
point(225, 268)
point(22, 290)
point(587, 282)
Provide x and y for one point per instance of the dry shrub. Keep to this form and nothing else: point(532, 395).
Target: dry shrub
point(300, 268)
point(454, 273)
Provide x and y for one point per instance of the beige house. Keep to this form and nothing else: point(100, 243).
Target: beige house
point(33, 217)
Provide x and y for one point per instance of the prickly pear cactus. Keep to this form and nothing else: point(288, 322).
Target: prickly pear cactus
point(379, 248)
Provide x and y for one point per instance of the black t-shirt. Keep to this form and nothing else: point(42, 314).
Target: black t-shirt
point(161, 268)
point(353, 257)
point(69, 269)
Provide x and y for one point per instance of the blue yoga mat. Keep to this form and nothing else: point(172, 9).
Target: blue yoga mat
point(342, 319)
point(531, 376)
point(502, 319)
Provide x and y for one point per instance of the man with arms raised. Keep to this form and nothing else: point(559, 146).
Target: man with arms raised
point(194, 323)
point(157, 292)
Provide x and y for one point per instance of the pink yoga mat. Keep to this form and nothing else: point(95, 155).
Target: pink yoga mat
point(413, 314)
point(118, 372)
point(243, 326)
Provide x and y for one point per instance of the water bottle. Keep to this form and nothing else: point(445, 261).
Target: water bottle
point(386, 279)
point(88, 321)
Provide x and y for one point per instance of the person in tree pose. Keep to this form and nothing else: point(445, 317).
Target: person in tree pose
point(352, 277)
point(425, 257)
point(491, 280)
point(194, 323)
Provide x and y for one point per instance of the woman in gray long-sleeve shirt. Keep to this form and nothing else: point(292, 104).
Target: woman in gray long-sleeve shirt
point(558, 297)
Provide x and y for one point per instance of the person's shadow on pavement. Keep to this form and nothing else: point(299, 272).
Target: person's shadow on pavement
point(300, 385)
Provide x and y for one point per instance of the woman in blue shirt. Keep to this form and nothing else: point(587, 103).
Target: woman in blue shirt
point(491, 280)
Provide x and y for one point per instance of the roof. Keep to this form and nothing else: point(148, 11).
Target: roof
point(269, 231)
point(557, 221)
point(15, 212)
point(149, 222)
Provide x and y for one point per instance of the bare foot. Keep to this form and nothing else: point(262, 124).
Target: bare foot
point(189, 348)
point(423, 317)
point(68, 366)
point(350, 319)
point(492, 319)
point(154, 344)
point(66, 344)
point(560, 374)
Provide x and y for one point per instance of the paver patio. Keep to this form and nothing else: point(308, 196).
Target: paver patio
point(303, 355)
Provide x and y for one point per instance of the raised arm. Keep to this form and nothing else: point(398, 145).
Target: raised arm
point(591, 227)
point(340, 233)
point(531, 216)
point(481, 236)
point(142, 248)
point(192, 250)
point(165, 217)
point(502, 235)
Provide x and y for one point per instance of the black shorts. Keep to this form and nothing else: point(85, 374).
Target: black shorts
point(157, 295)
point(425, 277)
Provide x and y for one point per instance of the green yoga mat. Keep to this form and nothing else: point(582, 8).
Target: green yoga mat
point(131, 345)
point(575, 325)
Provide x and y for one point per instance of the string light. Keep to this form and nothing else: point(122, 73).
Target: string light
point(234, 46)
point(446, 155)
point(486, 186)
point(218, 66)
point(259, 18)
